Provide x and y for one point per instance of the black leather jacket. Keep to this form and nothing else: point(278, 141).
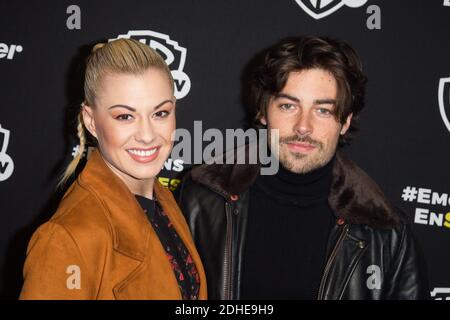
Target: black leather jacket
point(371, 253)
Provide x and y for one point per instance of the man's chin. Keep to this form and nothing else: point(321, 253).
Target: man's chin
point(299, 163)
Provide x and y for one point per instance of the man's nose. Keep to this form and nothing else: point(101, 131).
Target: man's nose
point(304, 124)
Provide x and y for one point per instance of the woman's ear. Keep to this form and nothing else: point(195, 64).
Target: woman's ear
point(88, 119)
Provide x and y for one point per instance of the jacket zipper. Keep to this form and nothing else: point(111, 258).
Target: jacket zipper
point(330, 261)
point(227, 253)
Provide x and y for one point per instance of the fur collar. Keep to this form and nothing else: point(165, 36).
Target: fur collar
point(354, 196)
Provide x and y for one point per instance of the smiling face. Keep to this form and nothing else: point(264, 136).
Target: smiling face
point(304, 113)
point(133, 120)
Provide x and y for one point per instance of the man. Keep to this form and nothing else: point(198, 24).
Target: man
point(319, 228)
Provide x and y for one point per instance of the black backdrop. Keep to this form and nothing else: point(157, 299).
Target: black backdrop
point(403, 141)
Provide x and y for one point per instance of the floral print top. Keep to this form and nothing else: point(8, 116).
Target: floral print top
point(179, 257)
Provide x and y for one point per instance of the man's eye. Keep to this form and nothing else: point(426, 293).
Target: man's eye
point(287, 106)
point(324, 111)
point(161, 114)
point(124, 117)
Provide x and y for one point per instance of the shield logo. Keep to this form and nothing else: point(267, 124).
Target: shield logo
point(173, 54)
point(444, 100)
point(6, 163)
point(318, 9)
point(441, 293)
point(4, 139)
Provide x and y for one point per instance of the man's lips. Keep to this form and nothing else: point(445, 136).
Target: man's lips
point(300, 147)
point(144, 155)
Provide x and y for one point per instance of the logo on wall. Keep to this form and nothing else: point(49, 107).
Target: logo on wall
point(9, 52)
point(427, 202)
point(173, 54)
point(444, 100)
point(319, 9)
point(6, 163)
point(86, 153)
point(440, 293)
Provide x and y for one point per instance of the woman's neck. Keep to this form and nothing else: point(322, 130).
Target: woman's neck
point(141, 187)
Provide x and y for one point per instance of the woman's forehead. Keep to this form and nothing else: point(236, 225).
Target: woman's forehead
point(140, 90)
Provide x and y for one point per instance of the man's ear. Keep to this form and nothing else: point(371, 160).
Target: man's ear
point(347, 123)
point(88, 119)
point(263, 120)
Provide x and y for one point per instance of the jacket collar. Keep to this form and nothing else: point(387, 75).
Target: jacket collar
point(354, 196)
point(128, 221)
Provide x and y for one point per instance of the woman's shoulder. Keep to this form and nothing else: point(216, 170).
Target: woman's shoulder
point(81, 212)
point(77, 235)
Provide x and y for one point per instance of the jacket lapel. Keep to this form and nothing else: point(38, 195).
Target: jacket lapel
point(130, 225)
point(345, 251)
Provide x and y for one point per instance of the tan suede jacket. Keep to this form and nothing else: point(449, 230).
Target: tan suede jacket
point(100, 245)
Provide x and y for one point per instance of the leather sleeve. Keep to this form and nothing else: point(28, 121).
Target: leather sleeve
point(408, 279)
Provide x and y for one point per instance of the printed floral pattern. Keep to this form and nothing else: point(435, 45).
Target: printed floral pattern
point(179, 257)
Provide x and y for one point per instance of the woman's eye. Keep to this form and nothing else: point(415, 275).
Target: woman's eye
point(124, 117)
point(162, 114)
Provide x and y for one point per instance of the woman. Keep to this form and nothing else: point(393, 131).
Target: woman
point(118, 233)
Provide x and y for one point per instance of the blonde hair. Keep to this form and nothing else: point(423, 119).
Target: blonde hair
point(122, 56)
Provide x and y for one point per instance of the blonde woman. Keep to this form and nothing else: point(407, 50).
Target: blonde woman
point(118, 233)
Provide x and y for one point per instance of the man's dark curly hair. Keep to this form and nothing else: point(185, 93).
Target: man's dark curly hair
point(308, 52)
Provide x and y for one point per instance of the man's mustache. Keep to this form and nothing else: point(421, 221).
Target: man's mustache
point(305, 139)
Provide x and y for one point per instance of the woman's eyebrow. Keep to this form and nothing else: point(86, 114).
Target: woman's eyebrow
point(159, 105)
point(122, 106)
point(162, 103)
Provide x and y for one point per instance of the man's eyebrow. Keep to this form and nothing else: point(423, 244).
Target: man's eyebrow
point(286, 96)
point(325, 101)
point(295, 99)
point(134, 110)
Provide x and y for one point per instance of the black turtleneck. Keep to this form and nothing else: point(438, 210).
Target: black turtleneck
point(287, 232)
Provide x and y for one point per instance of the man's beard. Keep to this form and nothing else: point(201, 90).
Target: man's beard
point(303, 163)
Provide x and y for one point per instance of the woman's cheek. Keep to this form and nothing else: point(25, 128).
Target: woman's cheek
point(166, 130)
point(117, 134)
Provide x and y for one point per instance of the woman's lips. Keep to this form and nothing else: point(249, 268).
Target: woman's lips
point(144, 155)
point(300, 147)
